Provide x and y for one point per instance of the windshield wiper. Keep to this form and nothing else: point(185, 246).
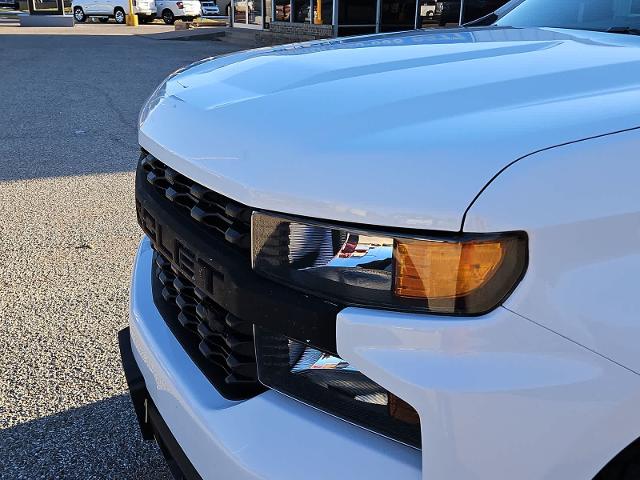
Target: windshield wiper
point(625, 30)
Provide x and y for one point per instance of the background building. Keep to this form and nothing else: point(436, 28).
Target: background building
point(329, 18)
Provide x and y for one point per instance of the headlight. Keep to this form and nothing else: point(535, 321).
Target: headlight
point(463, 274)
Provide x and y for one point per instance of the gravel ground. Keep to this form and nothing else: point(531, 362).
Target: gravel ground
point(68, 147)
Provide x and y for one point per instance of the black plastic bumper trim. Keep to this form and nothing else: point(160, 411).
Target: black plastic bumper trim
point(135, 382)
point(151, 422)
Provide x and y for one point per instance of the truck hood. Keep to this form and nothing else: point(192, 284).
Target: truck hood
point(397, 130)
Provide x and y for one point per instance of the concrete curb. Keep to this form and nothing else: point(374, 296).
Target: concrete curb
point(201, 33)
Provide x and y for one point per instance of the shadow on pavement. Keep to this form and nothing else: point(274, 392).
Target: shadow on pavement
point(70, 103)
point(100, 440)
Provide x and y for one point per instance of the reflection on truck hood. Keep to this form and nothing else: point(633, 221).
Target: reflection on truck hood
point(402, 129)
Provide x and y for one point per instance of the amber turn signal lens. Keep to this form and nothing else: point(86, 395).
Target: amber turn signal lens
point(432, 269)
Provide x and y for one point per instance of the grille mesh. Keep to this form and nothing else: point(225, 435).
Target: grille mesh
point(224, 216)
point(223, 340)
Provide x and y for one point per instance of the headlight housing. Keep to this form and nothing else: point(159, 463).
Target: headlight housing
point(450, 274)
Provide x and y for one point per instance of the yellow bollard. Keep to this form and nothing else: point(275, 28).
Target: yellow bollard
point(132, 18)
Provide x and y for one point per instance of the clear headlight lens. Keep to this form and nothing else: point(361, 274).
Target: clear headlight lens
point(329, 383)
point(465, 274)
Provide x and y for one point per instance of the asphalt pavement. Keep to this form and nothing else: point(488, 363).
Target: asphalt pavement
point(68, 148)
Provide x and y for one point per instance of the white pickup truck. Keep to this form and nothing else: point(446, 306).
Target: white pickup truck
point(414, 256)
point(116, 9)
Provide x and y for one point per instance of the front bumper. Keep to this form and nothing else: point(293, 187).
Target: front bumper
point(268, 437)
point(151, 422)
point(498, 397)
point(146, 10)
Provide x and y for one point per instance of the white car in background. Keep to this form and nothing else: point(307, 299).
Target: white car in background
point(210, 9)
point(116, 9)
point(172, 10)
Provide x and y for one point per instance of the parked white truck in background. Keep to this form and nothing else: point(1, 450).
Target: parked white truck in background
point(116, 9)
point(172, 10)
point(434, 276)
point(147, 10)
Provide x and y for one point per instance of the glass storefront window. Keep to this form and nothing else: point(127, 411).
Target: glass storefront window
point(446, 13)
point(317, 12)
point(48, 7)
point(322, 12)
point(427, 14)
point(247, 12)
point(254, 9)
point(240, 11)
point(357, 12)
point(301, 10)
point(282, 10)
point(397, 15)
point(356, 17)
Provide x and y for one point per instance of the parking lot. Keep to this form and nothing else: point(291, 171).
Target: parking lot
point(68, 148)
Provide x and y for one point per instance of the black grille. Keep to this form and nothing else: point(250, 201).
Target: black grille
point(219, 343)
point(203, 283)
point(220, 214)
